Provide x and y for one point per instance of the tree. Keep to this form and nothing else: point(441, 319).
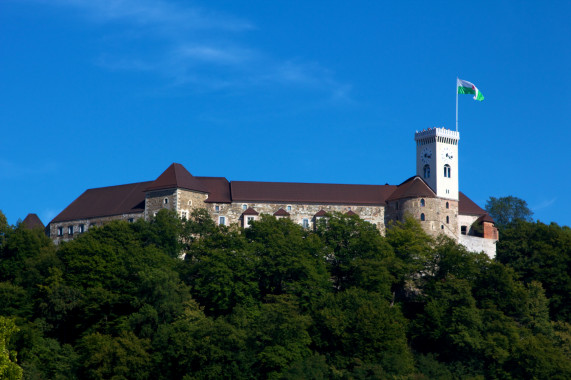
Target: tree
point(508, 209)
point(8, 368)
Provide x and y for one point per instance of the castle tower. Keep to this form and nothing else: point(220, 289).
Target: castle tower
point(437, 160)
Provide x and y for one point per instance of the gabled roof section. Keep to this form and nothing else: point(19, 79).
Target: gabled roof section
point(250, 211)
point(485, 218)
point(218, 189)
point(320, 193)
point(177, 177)
point(106, 201)
point(350, 212)
point(467, 207)
point(32, 221)
point(281, 212)
point(414, 187)
point(320, 213)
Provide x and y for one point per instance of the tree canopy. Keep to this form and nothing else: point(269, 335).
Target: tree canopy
point(187, 299)
point(506, 210)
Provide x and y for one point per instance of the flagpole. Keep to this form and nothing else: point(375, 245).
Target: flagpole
point(456, 104)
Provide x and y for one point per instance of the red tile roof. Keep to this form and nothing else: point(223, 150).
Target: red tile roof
point(485, 218)
point(32, 221)
point(467, 207)
point(281, 212)
point(350, 212)
point(177, 177)
point(310, 192)
point(414, 187)
point(320, 213)
point(250, 211)
point(106, 201)
point(218, 189)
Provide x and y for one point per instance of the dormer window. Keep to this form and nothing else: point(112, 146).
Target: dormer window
point(427, 171)
point(447, 171)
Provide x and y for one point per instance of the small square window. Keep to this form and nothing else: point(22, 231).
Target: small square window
point(217, 208)
point(244, 207)
point(249, 220)
point(288, 208)
point(222, 220)
point(183, 214)
point(463, 230)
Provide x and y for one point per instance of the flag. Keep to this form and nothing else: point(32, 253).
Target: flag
point(465, 87)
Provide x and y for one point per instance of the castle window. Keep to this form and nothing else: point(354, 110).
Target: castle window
point(183, 214)
point(190, 203)
point(249, 220)
point(288, 208)
point(305, 223)
point(447, 219)
point(447, 171)
point(397, 206)
point(222, 220)
point(70, 230)
point(217, 208)
point(463, 230)
point(130, 220)
point(422, 203)
point(60, 231)
point(426, 171)
point(442, 226)
point(244, 207)
point(81, 228)
point(422, 218)
point(447, 205)
point(166, 201)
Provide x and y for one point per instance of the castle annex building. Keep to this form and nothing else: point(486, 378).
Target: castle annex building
point(432, 196)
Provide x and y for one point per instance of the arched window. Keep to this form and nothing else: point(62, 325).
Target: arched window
point(447, 171)
point(447, 219)
point(422, 203)
point(422, 217)
point(166, 201)
point(447, 205)
point(426, 171)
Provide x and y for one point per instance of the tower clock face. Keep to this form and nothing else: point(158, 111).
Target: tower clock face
point(447, 154)
point(426, 155)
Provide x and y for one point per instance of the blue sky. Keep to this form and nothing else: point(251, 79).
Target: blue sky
point(99, 93)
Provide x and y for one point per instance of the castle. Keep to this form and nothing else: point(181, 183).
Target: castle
point(432, 196)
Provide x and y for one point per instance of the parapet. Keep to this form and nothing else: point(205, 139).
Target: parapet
point(437, 134)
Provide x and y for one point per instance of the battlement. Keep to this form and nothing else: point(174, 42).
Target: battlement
point(436, 134)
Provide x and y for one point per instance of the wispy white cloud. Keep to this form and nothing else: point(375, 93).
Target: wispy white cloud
point(544, 204)
point(193, 45)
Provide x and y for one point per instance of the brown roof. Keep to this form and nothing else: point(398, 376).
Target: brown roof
point(309, 192)
point(320, 213)
point(467, 207)
point(106, 201)
point(32, 221)
point(281, 212)
point(218, 189)
point(485, 218)
point(350, 212)
point(414, 187)
point(177, 177)
point(250, 211)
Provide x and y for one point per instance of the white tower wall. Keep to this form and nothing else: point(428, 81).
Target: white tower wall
point(437, 148)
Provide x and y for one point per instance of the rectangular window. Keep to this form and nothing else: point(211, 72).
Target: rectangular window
point(288, 208)
point(183, 214)
point(60, 231)
point(131, 220)
point(222, 220)
point(217, 208)
point(305, 223)
point(250, 219)
point(81, 228)
point(70, 230)
point(244, 207)
point(463, 230)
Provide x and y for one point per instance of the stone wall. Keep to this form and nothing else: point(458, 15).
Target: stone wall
point(187, 201)
point(298, 212)
point(87, 224)
point(158, 200)
point(478, 244)
point(435, 214)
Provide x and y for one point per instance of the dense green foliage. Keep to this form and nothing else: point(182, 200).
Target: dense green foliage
point(506, 210)
point(279, 301)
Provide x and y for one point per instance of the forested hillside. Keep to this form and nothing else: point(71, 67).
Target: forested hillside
point(279, 301)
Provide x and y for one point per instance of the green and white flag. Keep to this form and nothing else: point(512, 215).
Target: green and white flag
point(465, 87)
